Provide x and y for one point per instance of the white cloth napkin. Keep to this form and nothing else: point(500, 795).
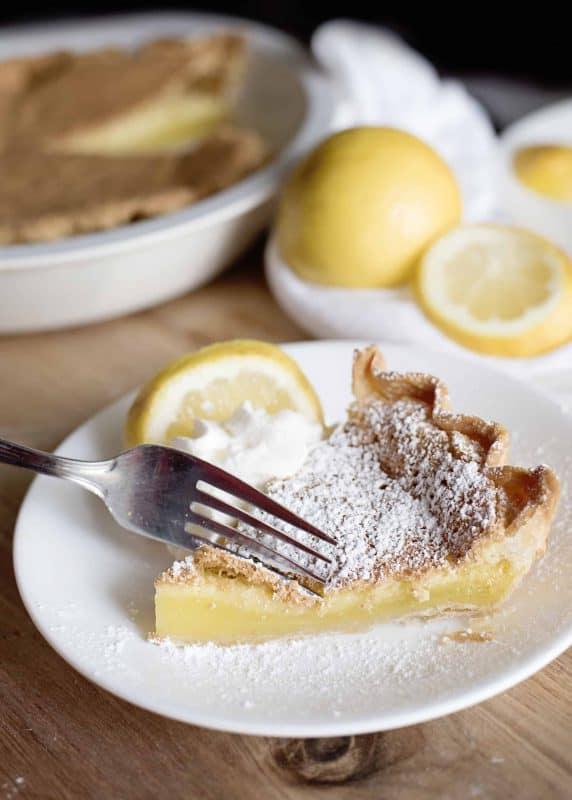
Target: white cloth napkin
point(380, 80)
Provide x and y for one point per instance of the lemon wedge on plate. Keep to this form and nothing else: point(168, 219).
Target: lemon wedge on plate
point(212, 383)
point(498, 290)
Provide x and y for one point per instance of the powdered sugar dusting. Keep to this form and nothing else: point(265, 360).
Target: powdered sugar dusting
point(399, 494)
point(321, 669)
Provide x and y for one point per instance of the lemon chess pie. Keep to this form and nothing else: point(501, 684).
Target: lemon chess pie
point(113, 136)
point(428, 520)
point(118, 100)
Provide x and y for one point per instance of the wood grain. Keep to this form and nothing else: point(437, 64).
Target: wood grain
point(61, 737)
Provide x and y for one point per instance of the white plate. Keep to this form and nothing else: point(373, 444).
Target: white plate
point(87, 278)
point(89, 589)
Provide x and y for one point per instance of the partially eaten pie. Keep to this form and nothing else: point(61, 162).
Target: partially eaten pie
point(119, 100)
point(90, 141)
point(428, 518)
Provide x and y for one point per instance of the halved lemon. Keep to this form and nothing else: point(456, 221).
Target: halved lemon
point(546, 169)
point(212, 383)
point(498, 290)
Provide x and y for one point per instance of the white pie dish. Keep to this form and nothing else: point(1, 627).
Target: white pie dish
point(88, 587)
point(88, 278)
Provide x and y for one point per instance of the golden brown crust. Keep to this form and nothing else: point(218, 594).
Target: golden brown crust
point(47, 191)
point(75, 194)
point(372, 382)
point(527, 495)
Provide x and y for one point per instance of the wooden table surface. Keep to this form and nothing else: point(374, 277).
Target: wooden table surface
point(61, 737)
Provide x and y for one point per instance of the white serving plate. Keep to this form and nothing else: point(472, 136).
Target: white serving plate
point(88, 586)
point(89, 278)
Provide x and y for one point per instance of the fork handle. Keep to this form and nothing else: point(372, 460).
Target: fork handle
point(86, 473)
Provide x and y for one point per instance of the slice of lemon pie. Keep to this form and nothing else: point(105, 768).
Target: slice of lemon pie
point(427, 517)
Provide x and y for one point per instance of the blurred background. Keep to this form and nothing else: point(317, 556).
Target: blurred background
point(513, 62)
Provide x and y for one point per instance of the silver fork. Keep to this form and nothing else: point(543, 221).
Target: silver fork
point(153, 490)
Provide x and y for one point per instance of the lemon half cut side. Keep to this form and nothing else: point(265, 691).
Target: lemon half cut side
point(497, 290)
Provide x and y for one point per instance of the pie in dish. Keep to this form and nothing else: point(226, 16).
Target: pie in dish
point(90, 141)
point(120, 100)
point(428, 520)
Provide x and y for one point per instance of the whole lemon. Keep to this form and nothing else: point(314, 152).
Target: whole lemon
point(363, 206)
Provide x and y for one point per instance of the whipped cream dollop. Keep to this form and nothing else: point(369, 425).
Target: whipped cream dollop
point(253, 444)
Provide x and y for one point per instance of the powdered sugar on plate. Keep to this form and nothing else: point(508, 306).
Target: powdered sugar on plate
point(321, 667)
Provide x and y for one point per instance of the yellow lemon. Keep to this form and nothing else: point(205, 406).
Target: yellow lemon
point(212, 383)
point(546, 169)
point(363, 206)
point(498, 290)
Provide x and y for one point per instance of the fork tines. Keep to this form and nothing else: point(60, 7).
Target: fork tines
point(254, 546)
point(216, 504)
point(218, 479)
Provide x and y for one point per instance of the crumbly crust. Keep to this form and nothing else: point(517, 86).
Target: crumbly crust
point(524, 494)
point(47, 191)
point(74, 194)
point(221, 562)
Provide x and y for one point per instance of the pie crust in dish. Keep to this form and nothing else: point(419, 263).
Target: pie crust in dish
point(428, 517)
point(76, 194)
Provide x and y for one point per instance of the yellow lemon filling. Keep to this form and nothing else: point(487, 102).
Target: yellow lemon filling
point(172, 123)
point(227, 609)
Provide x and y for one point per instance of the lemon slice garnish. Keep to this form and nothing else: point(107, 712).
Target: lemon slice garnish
point(212, 383)
point(498, 290)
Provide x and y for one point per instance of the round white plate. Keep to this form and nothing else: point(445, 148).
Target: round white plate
point(88, 586)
